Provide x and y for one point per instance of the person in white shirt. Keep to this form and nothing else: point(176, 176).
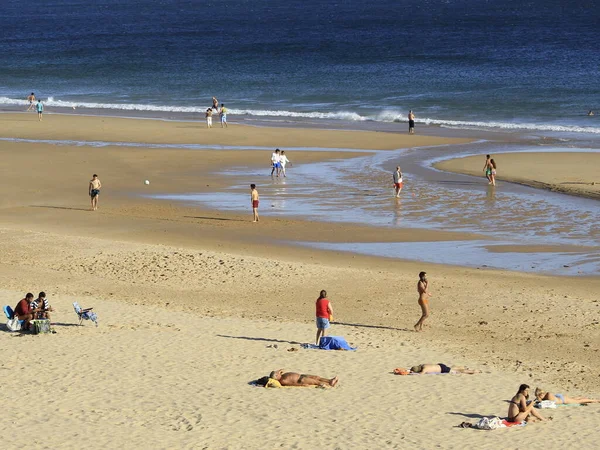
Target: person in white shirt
point(276, 162)
point(283, 160)
point(398, 181)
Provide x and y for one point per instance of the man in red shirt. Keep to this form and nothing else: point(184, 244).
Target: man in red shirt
point(324, 315)
point(24, 311)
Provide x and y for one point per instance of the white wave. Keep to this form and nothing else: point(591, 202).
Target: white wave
point(387, 115)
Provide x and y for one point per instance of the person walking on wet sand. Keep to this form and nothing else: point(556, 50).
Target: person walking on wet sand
point(422, 288)
point(40, 109)
point(94, 190)
point(324, 315)
point(31, 100)
point(487, 168)
point(254, 200)
point(397, 181)
point(411, 122)
point(493, 172)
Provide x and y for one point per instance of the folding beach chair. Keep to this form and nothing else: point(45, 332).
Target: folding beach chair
point(10, 315)
point(85, 314)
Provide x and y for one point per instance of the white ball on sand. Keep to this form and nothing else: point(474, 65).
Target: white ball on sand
point(147, 182)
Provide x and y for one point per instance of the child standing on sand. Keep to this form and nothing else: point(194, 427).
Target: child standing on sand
point(254, 199)
point(324, 315)
point(40, 109)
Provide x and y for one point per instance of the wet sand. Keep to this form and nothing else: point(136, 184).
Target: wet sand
point(568, 173)
point(189, 298)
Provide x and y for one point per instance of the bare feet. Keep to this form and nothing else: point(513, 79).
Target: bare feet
point(333, 381)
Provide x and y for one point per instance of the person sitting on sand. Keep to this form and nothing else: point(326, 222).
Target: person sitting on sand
point(561, 399)
point(423, 369)
point(519, 410)
point(24, 311)
point(41, 307)
point(296, 379)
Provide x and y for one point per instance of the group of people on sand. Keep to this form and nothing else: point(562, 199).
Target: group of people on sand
point(29, 309)
point(521, 409)
point(278, 162)
point(490, 169)
point(222, 111)
point(39, 106)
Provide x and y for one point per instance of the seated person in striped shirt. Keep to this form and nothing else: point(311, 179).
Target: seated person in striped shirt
point(41, 307)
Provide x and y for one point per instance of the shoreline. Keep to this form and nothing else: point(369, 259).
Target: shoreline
point(566, 173)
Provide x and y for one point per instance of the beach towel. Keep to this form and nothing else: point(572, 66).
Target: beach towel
point(545, 404)
point(334, 343)
point(492, 423)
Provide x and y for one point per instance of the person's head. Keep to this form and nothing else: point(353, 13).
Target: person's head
point(323, 294)
point(410, 112)
point(276, 374)
point(417, 369)
point(252, 186)
point(423, 276)
point(39, 100)
point(222, 105)
point(34, 94)
point(487, 156)
point(282, 152)
point(277, 150)
point(539, 394)
point(398, 168)
point(493, 163)
point(524, 389)
point(42, 295)
point(94, 176)
point(29, 296)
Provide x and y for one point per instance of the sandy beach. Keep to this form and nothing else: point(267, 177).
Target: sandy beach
point(192, 302)
point(569, 173)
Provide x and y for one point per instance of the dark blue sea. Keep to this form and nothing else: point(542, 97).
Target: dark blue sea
point(530, 65)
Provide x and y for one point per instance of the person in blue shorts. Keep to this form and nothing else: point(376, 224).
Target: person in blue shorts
point(324, 315)
point(40, 109)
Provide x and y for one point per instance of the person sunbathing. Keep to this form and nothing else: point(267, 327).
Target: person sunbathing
point(423, 369)
point(296, 379)
point(519, 410)
point(561, 399)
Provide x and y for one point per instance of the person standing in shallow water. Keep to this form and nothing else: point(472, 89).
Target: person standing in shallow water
point(397, 176)
point(31, 100)
point(94, 190)
point(422, 288)
point(487, 168)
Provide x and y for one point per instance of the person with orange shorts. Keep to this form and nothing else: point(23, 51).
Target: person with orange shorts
point(397, 181)
point(422, 288)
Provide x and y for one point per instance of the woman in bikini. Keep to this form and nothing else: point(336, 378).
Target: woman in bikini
point(422, 286)
point(519, 410)
point(561, 399)
point(493, 172)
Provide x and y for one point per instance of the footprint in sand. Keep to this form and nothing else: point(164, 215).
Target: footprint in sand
point(182, 423)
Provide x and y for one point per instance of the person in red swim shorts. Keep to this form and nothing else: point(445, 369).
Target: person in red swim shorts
point(254, 199)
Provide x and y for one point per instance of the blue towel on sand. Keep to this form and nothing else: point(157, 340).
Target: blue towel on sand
point(334, 343)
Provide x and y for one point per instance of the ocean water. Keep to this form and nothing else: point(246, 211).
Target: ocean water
point(531, 65)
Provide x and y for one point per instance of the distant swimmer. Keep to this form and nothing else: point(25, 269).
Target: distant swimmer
point(254, 199)
point(397, 181)
point(40, 109)
point(422, 288)
point(215, 105)
point(590, 113)
point(31, 100)
point(411, 122)
point(94, 191)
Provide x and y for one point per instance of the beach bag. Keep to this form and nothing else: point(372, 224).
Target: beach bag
point(546, 404)
point(40, 326)
point(14, 324)
point(489, 423)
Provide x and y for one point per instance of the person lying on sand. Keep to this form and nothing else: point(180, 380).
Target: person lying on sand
point(561, 399)
point(423, 369)
point(519, 410)
point(296, 379)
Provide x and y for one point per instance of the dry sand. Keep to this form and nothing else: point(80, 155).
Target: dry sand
point(569, 173)
point(189, 300)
